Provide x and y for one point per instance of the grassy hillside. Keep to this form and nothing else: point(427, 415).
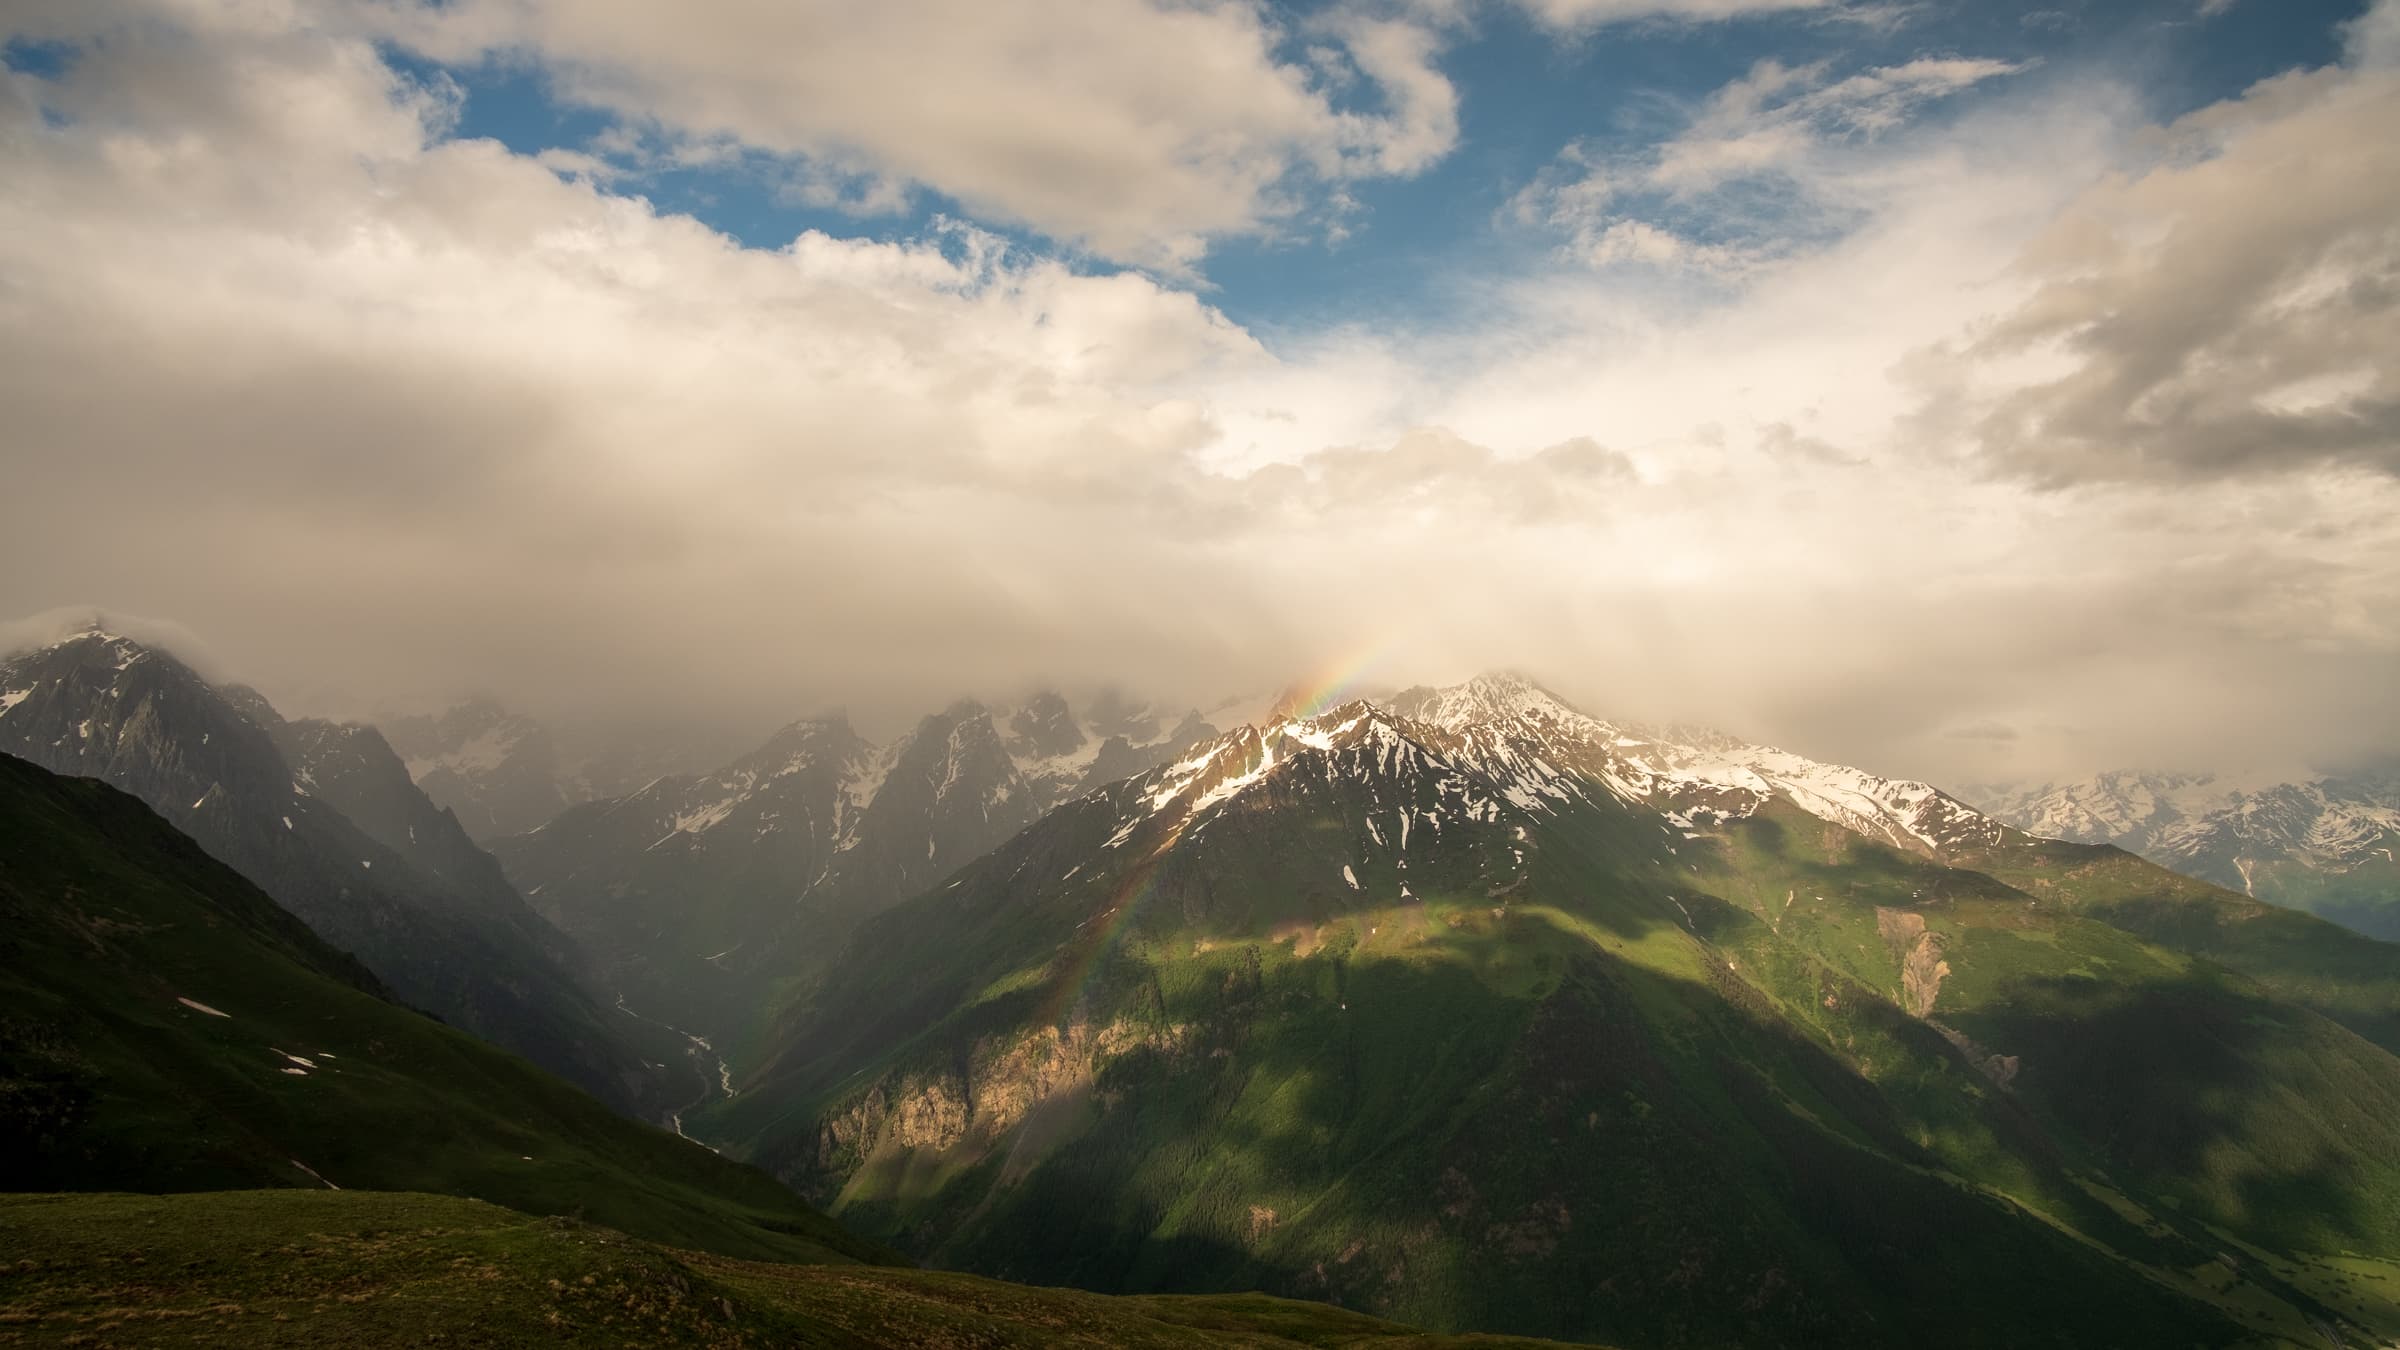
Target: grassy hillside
point(2129, 1049)
point(164, 1026)
point(2316, 963)
point(351, 1269)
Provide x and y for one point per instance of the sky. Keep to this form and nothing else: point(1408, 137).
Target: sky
point(1967, 390)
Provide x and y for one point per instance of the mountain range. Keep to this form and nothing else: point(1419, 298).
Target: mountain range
point(1456, 1006)
point(2326, 845)
point(326, 1167)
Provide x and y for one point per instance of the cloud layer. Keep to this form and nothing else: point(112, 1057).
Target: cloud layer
point(2069, 426)
point(1140, 130)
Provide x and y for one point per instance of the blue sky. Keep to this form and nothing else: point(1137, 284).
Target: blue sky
point(1525, 91)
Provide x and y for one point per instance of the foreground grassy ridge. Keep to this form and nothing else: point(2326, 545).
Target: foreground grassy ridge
point(292, 1071)
point(362, 1269)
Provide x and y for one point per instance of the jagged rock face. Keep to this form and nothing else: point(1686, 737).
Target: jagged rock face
point(952, 792)
point(1922, 968)
point(498, 770)
point(434, 920)
point(1004, 1080)
point(679, 887)
point(1044, 729)
point(2111, 808)
point(106, 707)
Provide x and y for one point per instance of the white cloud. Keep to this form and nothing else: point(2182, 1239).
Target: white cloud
point(2229, 305)
point(1572, 14)
point(1771, 118)
point(2374, 37)
point(1140, 129)
point(379, 411)
point(1787, 136)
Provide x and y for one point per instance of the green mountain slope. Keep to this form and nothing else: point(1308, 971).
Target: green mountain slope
point(312, 1269)
point(2353, 979)
point(1367, 1009)
point(165, 1026)
point(2145, 1058)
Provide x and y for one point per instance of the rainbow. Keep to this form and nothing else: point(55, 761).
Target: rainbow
point(1328, 688)
point(1082, 961)
point(1333, 684)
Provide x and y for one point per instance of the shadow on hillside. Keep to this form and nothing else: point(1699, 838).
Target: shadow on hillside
point(2263, 1120)
point(1866, 870)
point(1631, 1156)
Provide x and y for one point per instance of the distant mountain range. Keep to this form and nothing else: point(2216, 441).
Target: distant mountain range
point(496, 770)
point(2326, 845)
point(502, 772)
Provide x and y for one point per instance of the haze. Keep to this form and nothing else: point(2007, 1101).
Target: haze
point(1960, 395)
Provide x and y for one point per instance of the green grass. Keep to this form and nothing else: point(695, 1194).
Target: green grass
point(365, 1269)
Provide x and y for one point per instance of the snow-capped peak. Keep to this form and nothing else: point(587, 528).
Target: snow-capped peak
point(2222, 827)
point(1543, 746)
